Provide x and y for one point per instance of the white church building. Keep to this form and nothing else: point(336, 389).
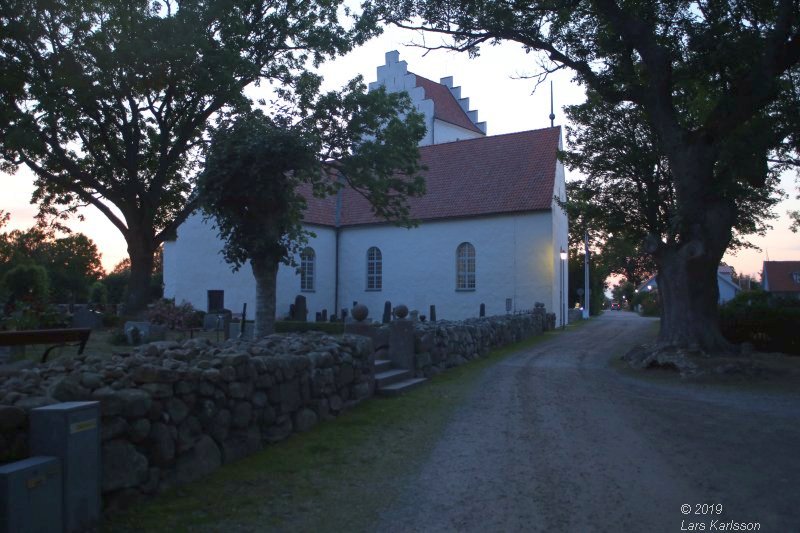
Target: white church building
point(490, 231)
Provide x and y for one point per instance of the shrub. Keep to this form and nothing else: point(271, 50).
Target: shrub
point(118, 337)
point(174, 316)
point(27, 283)
point(649, 302)
point(98, 294)
point(36, 316)
point(769, 324)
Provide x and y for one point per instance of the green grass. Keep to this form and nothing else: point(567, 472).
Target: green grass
point(336, 477)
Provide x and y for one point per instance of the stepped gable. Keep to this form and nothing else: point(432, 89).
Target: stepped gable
point(445, 105)
point(484, 176)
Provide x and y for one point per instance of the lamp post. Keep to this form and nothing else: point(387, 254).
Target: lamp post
point(586, 275)
point(561, 311)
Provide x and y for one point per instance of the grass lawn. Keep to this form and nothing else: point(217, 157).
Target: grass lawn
point(337, 477)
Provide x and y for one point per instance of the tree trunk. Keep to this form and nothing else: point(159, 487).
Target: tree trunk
point(141, 252)
point(266, 274)
point(687, 268)
point(687, 287)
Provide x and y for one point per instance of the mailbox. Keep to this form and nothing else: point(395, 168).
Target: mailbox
point(71, 432)
point(30, 496)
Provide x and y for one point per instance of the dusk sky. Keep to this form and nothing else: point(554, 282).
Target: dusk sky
point(493, 85)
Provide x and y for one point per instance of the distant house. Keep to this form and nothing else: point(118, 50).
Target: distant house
point(727, 288)
point(782, 278)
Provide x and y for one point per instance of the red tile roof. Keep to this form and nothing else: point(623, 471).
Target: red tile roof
point(780, 275)
point(445, 105)
point(484, 176)
point(320, 211)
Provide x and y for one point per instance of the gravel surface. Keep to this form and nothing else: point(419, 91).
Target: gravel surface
point(553, 439)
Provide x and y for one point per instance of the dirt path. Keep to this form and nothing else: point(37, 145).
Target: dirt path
point(553, 439)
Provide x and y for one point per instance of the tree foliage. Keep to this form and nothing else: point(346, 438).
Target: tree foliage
point(71, 262)
point(259, 169)
point(716, 82)
point(110, 103)
point(626, 196)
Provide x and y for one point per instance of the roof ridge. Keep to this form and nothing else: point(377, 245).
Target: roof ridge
point(487, 137)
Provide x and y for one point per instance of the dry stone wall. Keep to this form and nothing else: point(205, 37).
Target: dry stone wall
point(172, 413)
point(441, 345)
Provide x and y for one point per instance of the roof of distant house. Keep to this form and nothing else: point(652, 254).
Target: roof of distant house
point(782, 276)
point(445, 105)
point(485, 176)
point(725, 269)
point(723, 276)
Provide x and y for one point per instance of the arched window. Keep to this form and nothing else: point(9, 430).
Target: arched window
point(465, 267)
point(307, 266)
point(374, 269)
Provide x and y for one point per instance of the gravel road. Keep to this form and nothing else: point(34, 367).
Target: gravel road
point(553, 439)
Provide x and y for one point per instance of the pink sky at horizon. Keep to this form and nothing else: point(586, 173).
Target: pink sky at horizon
point(491, 81)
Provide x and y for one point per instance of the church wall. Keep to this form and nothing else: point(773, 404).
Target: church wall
point(193, 265)
point(514, 259)
point(444, 132)
point(560, 241)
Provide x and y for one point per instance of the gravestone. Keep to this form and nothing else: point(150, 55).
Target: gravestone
point(358, 325)
point(401, 340)
point(483, 310)
point(360, 312)
point(318, 317)
point(144, 332)
point(86, 318)
point(387, 312)
point(433, 313)
point(219, 321)
point(324, 315)
point(414, 315)
point(300, 309)
point(344, 314)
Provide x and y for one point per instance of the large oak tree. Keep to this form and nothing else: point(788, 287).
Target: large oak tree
point(109, 102)
point(717, 81)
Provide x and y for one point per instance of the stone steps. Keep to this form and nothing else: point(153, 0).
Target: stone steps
point(388, 377)
point(382, 365)
point(400, 387)
point(391, 381)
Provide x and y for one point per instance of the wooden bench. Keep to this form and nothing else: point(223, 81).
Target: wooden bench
point(57, 337)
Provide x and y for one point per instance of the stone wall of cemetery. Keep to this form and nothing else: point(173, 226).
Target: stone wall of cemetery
point(172, 413)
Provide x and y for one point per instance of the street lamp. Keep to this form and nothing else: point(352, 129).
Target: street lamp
point(563, 262)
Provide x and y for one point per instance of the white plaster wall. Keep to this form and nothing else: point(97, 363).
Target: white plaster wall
point(193, 265)
point(726, 291)
point(560, 240)
point(444, 132)
point(514, 259)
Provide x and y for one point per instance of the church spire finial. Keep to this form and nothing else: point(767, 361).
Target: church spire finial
point(552, 114)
